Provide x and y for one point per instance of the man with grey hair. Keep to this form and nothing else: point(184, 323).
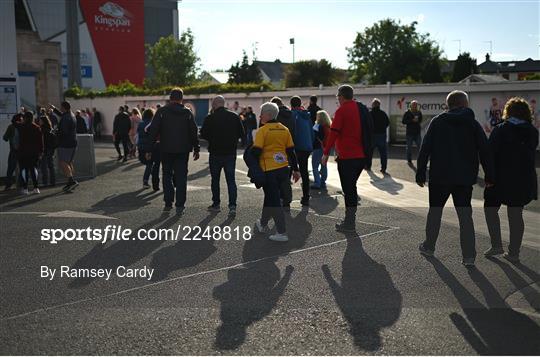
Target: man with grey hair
point(273, 148)
point(222, 129)
point(453, 144)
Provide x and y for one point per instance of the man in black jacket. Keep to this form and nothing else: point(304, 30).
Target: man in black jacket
point(177, 131)
point(452, 145)
point(412, 119)
point(380, 124)
point(313, 108)
point(121, 128)
point(222, 129)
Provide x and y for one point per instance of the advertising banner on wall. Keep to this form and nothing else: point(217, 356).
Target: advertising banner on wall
point(117, 31)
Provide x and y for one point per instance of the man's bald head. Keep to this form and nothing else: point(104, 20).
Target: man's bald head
point(218, 102)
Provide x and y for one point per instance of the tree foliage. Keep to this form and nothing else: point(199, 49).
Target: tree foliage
point(310, 74)
point(173, 61)
point(389, 51)
point(463, 67)
point(244, 72)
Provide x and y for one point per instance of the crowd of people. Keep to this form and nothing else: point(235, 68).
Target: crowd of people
point(280, 142)
point(35, 139)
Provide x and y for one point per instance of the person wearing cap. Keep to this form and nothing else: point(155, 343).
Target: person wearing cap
point(351, 134)
point(178, 135)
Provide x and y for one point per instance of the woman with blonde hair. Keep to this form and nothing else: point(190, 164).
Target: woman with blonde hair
point(322, 131)
point(513, 145)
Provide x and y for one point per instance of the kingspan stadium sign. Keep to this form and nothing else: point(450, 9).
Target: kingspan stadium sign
point(113, 15)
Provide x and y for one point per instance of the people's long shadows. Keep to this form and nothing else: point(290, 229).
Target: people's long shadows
point(322, 203)
point(127, 201)
point(120, 253)
point(132, 165)
point(21, 202)
point(367, 297)
point(251, 292)
point(199, 174)
point(189, 251)
point(298, 230)
point(495, 329)
point(519, 282)
point(104, 167)
point(387, 183)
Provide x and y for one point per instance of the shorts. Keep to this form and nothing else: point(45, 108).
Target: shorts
point(66, 154)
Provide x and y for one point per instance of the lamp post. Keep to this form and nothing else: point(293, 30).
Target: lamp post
point(291, 41)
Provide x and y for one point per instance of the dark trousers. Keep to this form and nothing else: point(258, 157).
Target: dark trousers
point(28, 167)
point(175, 165)
point(47, 168)
point(286, 189)
point(303, 158)
point(12, 165)
point(515, 222)
point(151, 166)
point(417, 139)
point(228, 164)
point(379, 141)
point(272, 203)
point(461, 195)
point(349, 171)
point(124, 139)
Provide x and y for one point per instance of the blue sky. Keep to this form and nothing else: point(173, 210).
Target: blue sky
point(322, 29)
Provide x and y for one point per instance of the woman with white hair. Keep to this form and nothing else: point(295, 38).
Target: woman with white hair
point(274, 149)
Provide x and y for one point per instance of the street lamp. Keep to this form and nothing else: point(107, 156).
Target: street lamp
point(291, 41)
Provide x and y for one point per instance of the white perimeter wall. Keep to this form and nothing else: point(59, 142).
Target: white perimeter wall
point(431, 96)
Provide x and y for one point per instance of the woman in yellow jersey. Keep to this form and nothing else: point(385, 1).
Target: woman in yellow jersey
point(274, 149)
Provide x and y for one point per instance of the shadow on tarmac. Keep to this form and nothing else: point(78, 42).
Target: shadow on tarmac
point(494, 329)
point(124, 202)
point(121, 253)
point(367, 297)
point(184, 253)
point(252, 291)
point(387, 183)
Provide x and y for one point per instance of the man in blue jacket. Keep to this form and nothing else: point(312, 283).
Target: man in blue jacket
point(303, 143)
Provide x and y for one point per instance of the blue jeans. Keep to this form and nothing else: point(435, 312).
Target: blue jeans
point(417, 139)
point(151, 166)
point(319, 176)
point(228, 164)
point(272, 208)
point(175, 165)
point(380, 144)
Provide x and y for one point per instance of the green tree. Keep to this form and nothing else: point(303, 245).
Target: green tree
point(310, 74)
point(463, 67)
point(244, 72)
point(389, 51)
point(173, 61)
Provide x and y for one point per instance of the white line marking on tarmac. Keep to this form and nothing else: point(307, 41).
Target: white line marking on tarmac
point(193, 275)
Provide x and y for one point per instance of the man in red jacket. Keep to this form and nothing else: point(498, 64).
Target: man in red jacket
point(350, 132)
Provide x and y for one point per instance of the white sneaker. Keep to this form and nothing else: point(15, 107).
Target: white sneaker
point(279, 237)
point(260, 228)
point(36, 190)
point(24, 191)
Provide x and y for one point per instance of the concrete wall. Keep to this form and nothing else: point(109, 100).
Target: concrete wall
point(44, 60)
point(394, 100)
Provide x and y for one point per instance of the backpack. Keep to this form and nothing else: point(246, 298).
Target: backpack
point(51, 138)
